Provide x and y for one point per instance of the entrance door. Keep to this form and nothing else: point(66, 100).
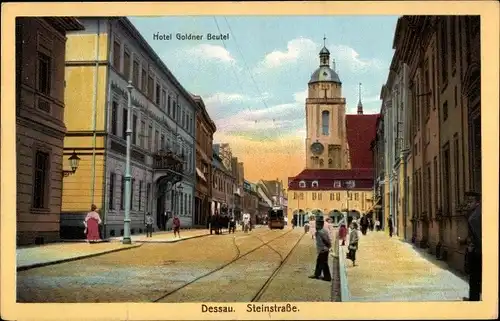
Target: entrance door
point(296, 218)
point(160, 211)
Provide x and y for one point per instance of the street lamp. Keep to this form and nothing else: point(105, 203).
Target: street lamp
point(74, 161)
point(128, 133)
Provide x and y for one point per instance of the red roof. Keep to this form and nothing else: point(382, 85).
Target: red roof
point(361, 130)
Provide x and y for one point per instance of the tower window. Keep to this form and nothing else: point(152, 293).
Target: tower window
point(325, 118)
point(302, 184)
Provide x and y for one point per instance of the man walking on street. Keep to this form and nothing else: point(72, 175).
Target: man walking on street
point(176, 223)
point(474, 249)
point(149, 225)
point(391, 227)
point(323, 245)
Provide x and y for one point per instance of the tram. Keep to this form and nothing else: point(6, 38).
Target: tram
point(276, 219)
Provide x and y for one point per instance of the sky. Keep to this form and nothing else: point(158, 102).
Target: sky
point(254, 84)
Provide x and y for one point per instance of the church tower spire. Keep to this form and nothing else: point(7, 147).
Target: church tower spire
point(360, 104)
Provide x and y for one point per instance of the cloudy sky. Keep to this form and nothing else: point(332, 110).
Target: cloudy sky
point(254, 83)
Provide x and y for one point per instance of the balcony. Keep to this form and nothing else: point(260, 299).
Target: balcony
point(168, 162)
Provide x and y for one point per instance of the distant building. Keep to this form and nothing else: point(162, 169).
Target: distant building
point(40, 129)
point(205, 129)
point(222, 187)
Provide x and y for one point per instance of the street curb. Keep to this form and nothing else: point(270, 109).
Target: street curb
point(344, 286)
point(174, 241)
point(37, 265)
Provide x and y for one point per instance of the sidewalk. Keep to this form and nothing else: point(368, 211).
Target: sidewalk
point(37, 256)
point(390, 270)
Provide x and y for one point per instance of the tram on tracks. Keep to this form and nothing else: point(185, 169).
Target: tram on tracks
point(276, 218)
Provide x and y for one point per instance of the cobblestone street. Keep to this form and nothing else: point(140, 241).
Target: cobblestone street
point(149, 272)
point(388, 269)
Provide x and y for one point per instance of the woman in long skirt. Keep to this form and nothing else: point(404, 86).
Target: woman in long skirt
point(92, 221)
point(312, 226)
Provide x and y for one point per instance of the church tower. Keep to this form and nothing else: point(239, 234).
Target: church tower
point(326, 137)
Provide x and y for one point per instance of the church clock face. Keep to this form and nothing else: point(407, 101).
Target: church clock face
point(317, 148)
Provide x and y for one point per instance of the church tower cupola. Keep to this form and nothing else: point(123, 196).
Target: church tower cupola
point(360, 104)
point(324, 55)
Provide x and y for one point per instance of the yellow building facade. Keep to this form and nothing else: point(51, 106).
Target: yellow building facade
point(338, 176)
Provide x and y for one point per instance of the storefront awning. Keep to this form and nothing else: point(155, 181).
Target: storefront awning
point(200, 174)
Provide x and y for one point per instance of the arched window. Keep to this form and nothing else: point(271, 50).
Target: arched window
point(302, 184)
point(315, 184)
point(325, 122)
point(321, 162)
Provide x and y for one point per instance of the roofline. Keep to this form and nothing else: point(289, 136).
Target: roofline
point(65, 23)
point(144, 44)
point(313, 82)
point(201, 104)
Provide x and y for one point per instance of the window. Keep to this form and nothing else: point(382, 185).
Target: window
point(158, 92)
point(337, 195)
point(189, 205)
point(445, 111)
point(356, 196)
point(325, 122)
point(122, 193)
point(456, 168)
point(315, 184)
point(142, 135)
point(301, 196)
point(162, 146)
point(139, 204)
point(433, 82)
point(444, 51)
point(320, 196)
point(124, 123)
point(41, 177)
point(164, 100)
point(337, 184)
point(428, 184)
point(111, 196)
point(114, 118)
point(183, 119)
point(456, 97)
point(148, 191)
point(151, 87)
point(144, 80)
point(132, 194)
point(314, 196)
point(446, 179)
point(302, 184)
point(453, 44)
point(332, 196)
point(116, 55)
point(169, 101)
point(427, 89)
point(150, 137)
point(44, 74)
point(294, 195)
point(134, 130)
point(135, 74)
point(126, 65)
point(157, 147)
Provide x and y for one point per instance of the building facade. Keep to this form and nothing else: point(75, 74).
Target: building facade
point(205, 129)
point(338, 174)
point(99, 64)
point(239, 177)
point(40, 129)
point(394, 104)
point(251, 200)
point(442, 128)
point(377, 147)
point(222, 187)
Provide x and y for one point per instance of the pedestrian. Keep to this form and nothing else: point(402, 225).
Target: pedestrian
point(149, 225)
point(329, 226)
point(370, 224)
point(312, 226)
point(92, 221)
point(474, 255)
point(294, 222)
point(353, 243)
point(389, 224)
point(377, 225)
point(176, 223)
point(364, 224)
point(323, 245)
point(342, 233)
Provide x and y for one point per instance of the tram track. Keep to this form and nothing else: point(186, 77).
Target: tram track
point(235, 259)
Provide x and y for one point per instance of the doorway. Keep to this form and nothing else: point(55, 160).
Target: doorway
point(161, 219)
